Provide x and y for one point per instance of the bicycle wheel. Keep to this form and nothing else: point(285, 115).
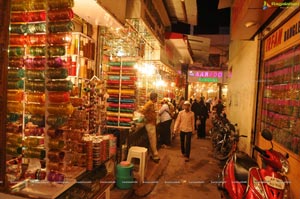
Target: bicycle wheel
point(223, 150)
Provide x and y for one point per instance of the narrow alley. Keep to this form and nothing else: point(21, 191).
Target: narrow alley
point(188, 180)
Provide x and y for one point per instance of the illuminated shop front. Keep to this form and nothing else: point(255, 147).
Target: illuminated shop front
point(207, 84)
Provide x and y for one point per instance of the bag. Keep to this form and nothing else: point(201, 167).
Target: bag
point(171, 111)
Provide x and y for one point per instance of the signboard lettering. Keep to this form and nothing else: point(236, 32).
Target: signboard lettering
point(283, 38)
point(274, 40)
point(292, 31)
point(209, 74)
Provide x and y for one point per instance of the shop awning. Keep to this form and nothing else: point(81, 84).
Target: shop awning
point(183, 11)
point(95, 14)
point(180, 43)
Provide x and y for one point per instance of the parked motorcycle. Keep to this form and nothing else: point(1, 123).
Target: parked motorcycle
point(242, 178)
point(224, 140)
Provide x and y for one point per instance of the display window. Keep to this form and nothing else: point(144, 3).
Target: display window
point(55, 103)
point(281, 98)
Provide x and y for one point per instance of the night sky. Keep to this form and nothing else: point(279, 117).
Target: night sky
point(209, 19)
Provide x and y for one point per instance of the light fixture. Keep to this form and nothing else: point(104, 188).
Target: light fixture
point(249, 24)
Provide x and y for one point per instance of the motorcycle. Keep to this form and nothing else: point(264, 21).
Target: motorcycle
point(224, 140)
point(242, 178)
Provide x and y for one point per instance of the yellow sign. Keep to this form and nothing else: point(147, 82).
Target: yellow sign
point(283, 38)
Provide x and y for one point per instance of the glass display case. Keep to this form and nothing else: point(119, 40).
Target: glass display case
point(55, 104)
point(281, 98)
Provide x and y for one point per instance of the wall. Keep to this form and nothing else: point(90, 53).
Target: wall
point(242, 88)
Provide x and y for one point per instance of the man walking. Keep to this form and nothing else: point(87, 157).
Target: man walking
point(185, 123)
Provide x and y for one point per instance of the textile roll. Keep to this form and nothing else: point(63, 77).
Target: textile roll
point(119, 114)
point(123, 110)
point(117, 77)
point(123, 82)
point(35, 97)
point(116, 91)
point(122, 100)
point(58, 97)
point(117, 86)
point(122, 105)
point(116, 73)
point(122, 96)
point(116, 124)
point(15, 96)
point(125, 63)
point(116, 68)
point(36, 110)
point(60, 109)
point(115, 119)
point(112, 109)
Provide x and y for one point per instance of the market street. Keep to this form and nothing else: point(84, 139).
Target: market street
point(189, 180)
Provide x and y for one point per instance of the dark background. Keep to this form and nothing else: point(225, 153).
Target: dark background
point(210, 19)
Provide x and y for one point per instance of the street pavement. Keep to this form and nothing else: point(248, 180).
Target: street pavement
point(187, 180)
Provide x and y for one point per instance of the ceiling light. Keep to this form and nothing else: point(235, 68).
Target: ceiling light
point(249, 24)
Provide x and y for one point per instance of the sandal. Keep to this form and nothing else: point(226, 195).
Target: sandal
point(155, 159)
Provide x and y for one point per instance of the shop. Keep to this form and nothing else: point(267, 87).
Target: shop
point(209, 84)
point(266, 96)
point(74, 81)
point(279, 91)
point(55, 127)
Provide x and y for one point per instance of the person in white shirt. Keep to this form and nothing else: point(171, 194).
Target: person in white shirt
point(185, 123)
point(165, 124)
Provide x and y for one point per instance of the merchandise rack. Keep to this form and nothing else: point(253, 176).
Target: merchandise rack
point(121, 89)
point(281, 107)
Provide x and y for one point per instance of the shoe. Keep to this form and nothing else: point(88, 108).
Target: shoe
point(187, 159)
point(155, 159)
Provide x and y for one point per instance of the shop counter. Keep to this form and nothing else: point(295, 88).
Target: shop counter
point(47, 190)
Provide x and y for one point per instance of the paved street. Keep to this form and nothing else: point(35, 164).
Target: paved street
point(188, 180)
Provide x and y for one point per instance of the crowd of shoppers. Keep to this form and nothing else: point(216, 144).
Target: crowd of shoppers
point(187, 117)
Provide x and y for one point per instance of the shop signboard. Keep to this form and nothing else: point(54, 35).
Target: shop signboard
point(283, 38)
point(151, 17)
point(206, 76)
point(208, 79)
point(152, 13)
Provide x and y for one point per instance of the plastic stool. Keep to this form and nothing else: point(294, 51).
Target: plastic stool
point(140, 153)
